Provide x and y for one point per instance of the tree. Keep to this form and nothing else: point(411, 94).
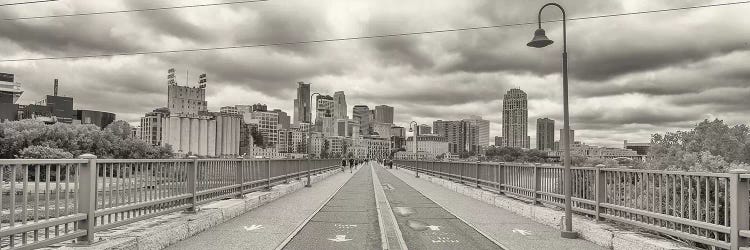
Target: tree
point(711, 146)
point(112, 142)
point(257, 137)
point(120, 129)
point(44, 152)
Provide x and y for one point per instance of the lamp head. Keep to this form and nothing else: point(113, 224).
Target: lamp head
point(540, 39)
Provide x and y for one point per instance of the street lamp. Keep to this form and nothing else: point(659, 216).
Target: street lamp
point(415, 129)
point(540, 40)
point(309, 138)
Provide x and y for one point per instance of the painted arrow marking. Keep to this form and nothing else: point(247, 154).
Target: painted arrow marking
point(522, 232)
point(434, 228)
point(340, 238)
point(253, 227)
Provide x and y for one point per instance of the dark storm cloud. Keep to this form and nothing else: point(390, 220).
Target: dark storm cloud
point(172, 23)
point(616, 64)
point(58, 38)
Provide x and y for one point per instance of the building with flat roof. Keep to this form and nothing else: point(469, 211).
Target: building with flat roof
point(384, 114)
point(99, 118)
point(515, 119)
point(545, 134)
point(639, 147)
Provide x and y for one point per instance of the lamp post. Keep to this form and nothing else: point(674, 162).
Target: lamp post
point(309, 138)
point(540, 40)
point(415, 129)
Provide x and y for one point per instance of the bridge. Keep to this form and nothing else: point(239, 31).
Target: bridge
point(91, 203)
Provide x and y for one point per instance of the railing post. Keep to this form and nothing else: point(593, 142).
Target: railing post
point(87, 199)
point(537, 183)
point(268, 181)
point(600, 188)
point(286, 171)
point(500, 178)
point(309, 162)
point(477, 174)
point(416, 167)
point(739, 208)
point(299, 168)
point(192, 184)
point(239, 177)
point(461, 172)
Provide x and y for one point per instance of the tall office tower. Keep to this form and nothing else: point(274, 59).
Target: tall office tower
point(302, 108)
point(339, 105)
point(361, 114)
point(384, 114)
point(482, 130)
point(515, 119)
point(545, 134)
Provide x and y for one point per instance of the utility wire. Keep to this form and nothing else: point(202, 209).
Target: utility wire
point(365, 37)
point(129, 11)
point(22, 3)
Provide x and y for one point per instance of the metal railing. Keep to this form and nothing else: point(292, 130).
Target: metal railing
point(45, 202)
point(710, 209)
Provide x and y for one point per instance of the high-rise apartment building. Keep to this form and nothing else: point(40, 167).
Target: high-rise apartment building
point(545, 134)
point(515, 119)
point(302, 107)
point(339, 105)
point(461, 135)
point(572, 137)
point(384, 114)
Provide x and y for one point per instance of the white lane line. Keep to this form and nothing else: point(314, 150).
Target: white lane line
point(381, 198)
point(301, 225)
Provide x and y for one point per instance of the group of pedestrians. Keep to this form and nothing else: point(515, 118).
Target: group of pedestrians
point(353, 164)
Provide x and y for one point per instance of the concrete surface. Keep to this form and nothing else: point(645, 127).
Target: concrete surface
point(162, 231)
point(603, 235)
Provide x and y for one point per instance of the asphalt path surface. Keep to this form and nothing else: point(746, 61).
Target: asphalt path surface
point(348, 221)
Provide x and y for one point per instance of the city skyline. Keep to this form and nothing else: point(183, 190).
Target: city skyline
point(439, 79)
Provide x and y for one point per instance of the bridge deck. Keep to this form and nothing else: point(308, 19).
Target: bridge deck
point(341, 213)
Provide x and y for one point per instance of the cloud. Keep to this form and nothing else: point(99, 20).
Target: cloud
point(629, 76)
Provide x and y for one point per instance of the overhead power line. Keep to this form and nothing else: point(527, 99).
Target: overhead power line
point(29, 2)
point(130, 11)
point(365, 37)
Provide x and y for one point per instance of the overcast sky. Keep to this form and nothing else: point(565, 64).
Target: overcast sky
point(629, 76)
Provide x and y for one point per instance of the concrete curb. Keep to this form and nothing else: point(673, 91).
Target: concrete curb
point(163, 231)
point(599, 233)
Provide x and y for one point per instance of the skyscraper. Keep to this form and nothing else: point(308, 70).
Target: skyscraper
point(361, 114)
point(339, 105)
point(572, 136)
point(462, 135)
point(384, 114)
point(515, 119)
point(545, 134)
point(302, 111)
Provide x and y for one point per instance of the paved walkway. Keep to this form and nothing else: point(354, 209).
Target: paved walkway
point(267, 226)
point(348, 221)
point(511, 230)
point(342, 213)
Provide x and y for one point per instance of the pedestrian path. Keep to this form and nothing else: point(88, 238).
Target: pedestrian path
point(509, 229)
point(424, 223)
point(379, 208)
point(348, 221)
point(267, 226)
